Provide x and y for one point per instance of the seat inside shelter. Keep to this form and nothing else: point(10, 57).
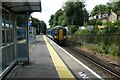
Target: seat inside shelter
point(14, 32)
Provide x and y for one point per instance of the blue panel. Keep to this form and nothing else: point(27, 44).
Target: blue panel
point(22, 50)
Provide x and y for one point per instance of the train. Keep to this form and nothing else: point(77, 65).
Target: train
point(58, 34)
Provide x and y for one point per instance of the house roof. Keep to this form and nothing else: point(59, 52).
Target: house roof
point(23, 6)
point(105, 15)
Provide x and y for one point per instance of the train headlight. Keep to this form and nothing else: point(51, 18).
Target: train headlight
point(55, 37)
point(64, 37)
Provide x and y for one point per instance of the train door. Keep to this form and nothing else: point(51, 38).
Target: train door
point(60, 34)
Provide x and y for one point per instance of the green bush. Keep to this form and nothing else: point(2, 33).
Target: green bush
point(80, 32)
point(100, 48)
point(73, 28)
point(113, 49)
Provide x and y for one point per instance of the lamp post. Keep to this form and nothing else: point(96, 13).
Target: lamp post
point(30, 29)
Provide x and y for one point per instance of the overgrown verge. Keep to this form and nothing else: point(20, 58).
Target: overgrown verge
point(106, 51)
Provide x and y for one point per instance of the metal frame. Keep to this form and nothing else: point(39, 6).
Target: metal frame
point(0, 40)
point(6, 50)
point(14, 22)
point(27, 36)
point(12, 31)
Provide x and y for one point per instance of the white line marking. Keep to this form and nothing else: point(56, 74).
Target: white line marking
point(51, 42)
point(83, 75)
point(4, 70)
point(79, 62)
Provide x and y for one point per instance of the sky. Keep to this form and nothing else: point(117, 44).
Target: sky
point(49, 7)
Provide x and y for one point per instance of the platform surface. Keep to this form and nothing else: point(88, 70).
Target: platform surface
point(48, 60)
point(41, 65)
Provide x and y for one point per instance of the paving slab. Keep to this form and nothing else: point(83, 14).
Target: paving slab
point(41, 65)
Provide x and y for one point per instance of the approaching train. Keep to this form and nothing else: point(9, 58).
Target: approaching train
point(58, 34)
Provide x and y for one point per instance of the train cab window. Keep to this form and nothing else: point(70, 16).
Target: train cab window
point(56, 31)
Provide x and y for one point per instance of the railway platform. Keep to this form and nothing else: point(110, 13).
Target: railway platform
point(47, 60)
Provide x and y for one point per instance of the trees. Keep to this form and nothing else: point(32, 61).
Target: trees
point(51, 20)
point(58, 14)
point(39, 24)
point(43, 27)
point(35, 22)
point(73, 14)
point(114, 6)
point(57, 18)
point(101, 9)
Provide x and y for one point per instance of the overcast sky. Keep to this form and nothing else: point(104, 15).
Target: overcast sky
point(51, 6)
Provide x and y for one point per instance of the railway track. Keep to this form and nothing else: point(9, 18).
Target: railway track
point(95, 64)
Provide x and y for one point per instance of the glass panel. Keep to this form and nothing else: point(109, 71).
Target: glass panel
point(21, 21)
point(7, 19)
point(21, 34)
point(8, 53)
point(12, 35)
point(3, 19)
point(10, 20)
point(22, 47)
point(3, 37)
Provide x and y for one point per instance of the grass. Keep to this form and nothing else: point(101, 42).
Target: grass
point(101, 48)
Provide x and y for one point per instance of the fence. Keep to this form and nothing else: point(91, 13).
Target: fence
point(106, 44)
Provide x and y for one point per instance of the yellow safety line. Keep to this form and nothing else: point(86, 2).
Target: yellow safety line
point(61, 68)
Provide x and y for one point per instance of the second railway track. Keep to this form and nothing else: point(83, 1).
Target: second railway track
point(95, 64)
